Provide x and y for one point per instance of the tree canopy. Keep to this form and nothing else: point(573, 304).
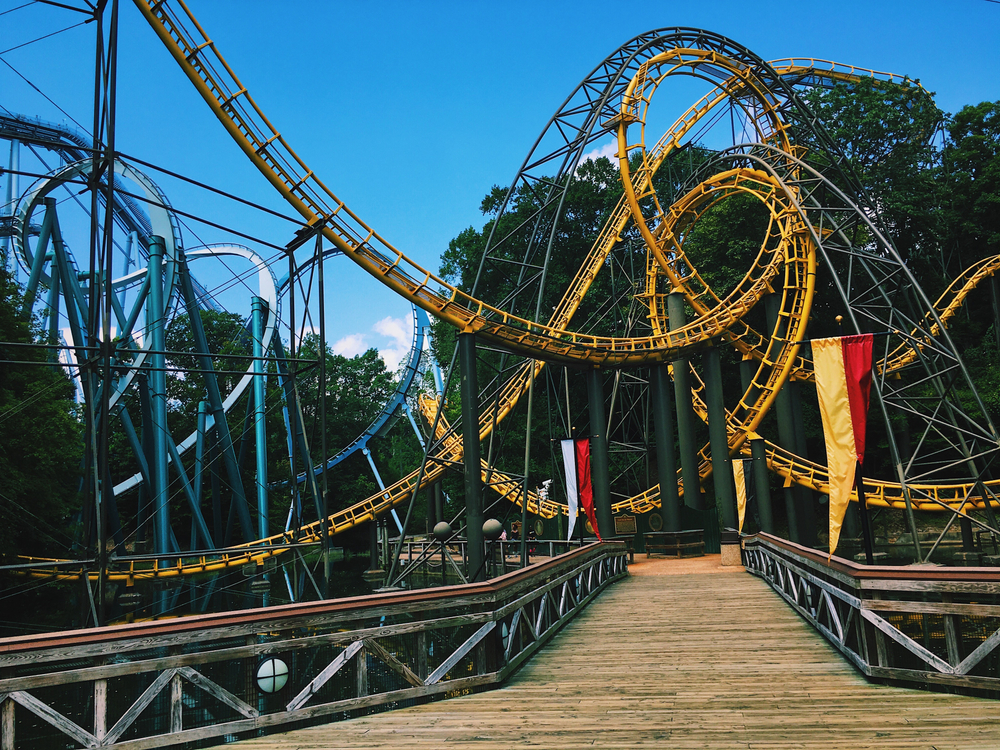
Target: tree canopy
point(42, 442)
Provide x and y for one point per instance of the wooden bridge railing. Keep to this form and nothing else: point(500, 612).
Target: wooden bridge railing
point(921, 626)
point(162, 683)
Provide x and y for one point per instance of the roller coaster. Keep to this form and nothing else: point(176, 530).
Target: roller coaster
point(822, 228)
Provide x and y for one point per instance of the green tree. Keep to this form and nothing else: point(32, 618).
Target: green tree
point(886, 131)
point(227, 335)
point(42, 444)
point(971, 178)
point(357, 389)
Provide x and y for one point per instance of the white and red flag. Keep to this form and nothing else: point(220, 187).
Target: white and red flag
point(843, 369)
point(579, 491)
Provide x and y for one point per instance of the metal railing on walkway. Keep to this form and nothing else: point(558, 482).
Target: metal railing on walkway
point(156, 684)
point(930, 627)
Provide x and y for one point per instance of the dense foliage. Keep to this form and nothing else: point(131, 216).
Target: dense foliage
point(42, 443)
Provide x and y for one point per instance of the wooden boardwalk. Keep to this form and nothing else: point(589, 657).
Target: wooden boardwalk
point(688, 660)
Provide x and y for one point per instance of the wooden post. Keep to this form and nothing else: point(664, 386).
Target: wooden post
point(176, 703)
point(422, 654)
point(881, 650)
point(361, 673)
point(951, 635)
point(7, 725)
point(100, 706)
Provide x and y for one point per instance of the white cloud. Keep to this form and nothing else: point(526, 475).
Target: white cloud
point(400, 333)
point(351, 345)
point(392, 338)
point(395, 328)
point(609, 150)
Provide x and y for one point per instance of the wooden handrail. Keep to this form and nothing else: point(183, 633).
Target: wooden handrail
point(879, 572)
point(387, 603)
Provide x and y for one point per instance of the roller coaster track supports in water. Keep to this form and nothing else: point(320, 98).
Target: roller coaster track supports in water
point(685, 411)
point(666, 462)
point(722, 466)
point(470, 443)
point(600, 476)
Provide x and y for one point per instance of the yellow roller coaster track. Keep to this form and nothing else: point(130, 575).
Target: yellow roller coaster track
point(790, 243)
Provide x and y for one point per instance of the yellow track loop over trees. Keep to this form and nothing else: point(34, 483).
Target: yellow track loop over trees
point(788, 243)
point(325, 213)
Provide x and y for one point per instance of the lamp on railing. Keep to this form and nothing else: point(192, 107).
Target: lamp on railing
point(492, 530)
point(442, 532)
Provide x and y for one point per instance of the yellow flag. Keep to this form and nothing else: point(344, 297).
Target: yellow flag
point(741, 490)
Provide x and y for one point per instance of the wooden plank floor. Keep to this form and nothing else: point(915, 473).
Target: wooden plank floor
point(698, 660)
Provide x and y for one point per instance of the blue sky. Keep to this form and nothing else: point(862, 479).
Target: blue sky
point(411, 111)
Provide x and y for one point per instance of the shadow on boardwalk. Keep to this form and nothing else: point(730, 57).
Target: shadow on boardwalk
point(684, 654)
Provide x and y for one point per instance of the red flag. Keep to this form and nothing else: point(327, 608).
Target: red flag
point(857, 352)
point(584, 486)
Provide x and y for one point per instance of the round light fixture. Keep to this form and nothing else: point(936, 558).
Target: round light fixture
point(272, 674)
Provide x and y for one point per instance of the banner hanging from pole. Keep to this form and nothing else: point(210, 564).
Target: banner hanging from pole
point(583, 483)
point(569, 464)
point(739, 477)
point(843, 369)
point(579, 490)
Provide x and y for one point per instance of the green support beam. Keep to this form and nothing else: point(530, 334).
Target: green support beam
point(472, 459)
point(758, 452)
point(798, 501)
point(686, 436)
point(722, 466)
point(158, 396)
point(258, 311)
point(661, 391)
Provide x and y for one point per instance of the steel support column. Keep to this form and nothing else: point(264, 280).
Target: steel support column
point(685, 412)
point(666, 462)
point(807, 499)
point(13, 168)
point(786, 430)
point(259, 309)
point(600, 477)
point(470, 443)
point(722, 466)
point(155, 307)
point(438, 503)
point(758, 452)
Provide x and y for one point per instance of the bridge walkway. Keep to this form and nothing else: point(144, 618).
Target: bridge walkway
point(683, 654)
